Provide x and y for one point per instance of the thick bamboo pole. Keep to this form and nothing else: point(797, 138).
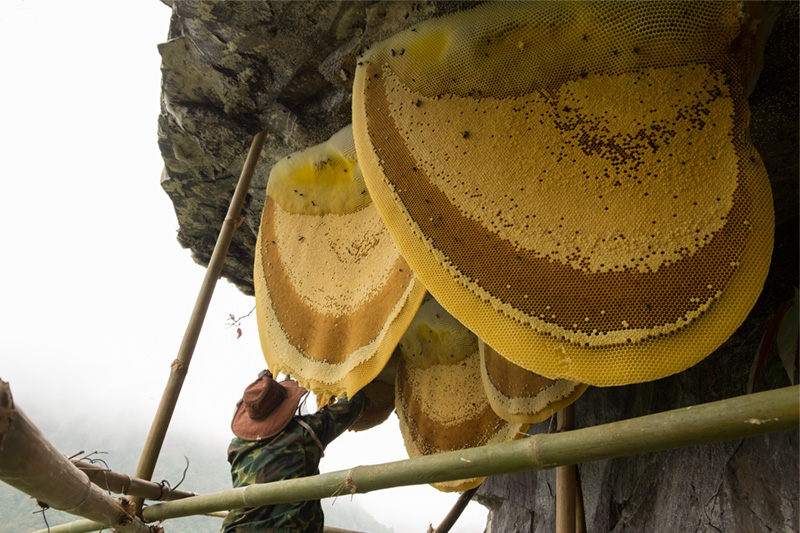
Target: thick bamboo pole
point(735, 418)
point(180, 365)
point(455, 512)
point(78, 526)
point(566, 490)
point(31, 464)
point(130, 486)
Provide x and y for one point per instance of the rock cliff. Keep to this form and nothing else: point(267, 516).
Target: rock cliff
point(232, 69)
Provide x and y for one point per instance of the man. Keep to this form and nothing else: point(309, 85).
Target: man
point(273, 443)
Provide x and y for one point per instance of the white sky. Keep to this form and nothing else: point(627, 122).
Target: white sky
point(95, 290)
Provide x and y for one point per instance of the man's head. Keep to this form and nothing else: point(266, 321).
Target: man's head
point(266, 407)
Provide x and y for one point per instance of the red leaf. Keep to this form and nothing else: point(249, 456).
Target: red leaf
point(767, 340)
point(238, 332)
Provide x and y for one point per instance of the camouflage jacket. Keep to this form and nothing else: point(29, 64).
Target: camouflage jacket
point(290, 454)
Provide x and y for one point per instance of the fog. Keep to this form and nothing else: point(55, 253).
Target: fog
point(96, 292)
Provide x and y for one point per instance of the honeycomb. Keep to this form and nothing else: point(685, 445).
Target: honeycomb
point(333, 293)
point(521, 396)
point(574, 181)
point(381, 405)
point(439, 395)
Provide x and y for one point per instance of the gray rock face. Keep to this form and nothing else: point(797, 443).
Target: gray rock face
point(231, 69)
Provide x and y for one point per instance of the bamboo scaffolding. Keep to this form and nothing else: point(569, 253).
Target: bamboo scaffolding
point(458, 508)
point(734, 418)
point(566, 476)
point(130, 486)
point(180, 365)
point(86, 526)
point(31, 464)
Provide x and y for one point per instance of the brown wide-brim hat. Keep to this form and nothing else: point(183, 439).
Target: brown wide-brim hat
point(265, 408)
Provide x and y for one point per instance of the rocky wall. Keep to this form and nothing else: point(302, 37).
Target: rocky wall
point(232, 69)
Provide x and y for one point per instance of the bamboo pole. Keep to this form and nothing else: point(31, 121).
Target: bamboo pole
point(130, 486)
point(31, 464)
point(78, 526)
point(734, 418)
point(180, 365)
point(580, 512)
point(566, 492)
point(455, 512)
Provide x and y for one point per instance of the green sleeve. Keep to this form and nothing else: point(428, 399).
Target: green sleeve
point(333, 420)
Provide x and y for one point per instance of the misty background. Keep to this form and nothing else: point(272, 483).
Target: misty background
point(96, 292)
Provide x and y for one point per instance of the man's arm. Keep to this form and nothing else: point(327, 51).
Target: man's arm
point(333, 420)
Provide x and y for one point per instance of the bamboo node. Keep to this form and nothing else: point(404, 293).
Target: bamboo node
point(89, 486)
point(178, 366)
point(126, 487)
point(244, 496)
point(350, 483)
point(534, 447)
point(129, 510)
point(236, 221)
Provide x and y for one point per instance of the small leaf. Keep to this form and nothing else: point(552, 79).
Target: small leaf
point(767, 340)
point(238, 332)
point(787, 339)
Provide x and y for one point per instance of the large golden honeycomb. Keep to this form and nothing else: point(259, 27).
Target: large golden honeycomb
point(333, 293)
point(574, 181)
